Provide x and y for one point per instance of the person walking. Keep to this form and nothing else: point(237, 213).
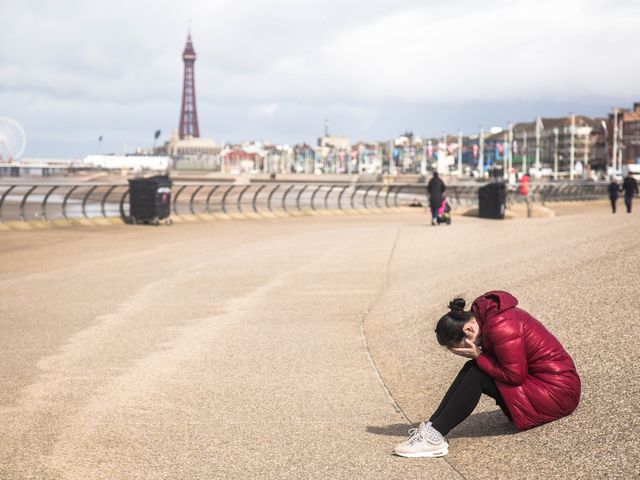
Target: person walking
point(436, 189)
point(614, 190)
point(525, 182)
point(514, 359)
point(630, 188)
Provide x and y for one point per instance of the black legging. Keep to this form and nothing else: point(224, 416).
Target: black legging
point(463, 396)
point(628, 202)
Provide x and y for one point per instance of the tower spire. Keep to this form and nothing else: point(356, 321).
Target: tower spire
point(188, 111)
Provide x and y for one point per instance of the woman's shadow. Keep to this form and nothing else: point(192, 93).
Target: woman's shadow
point(483, 424)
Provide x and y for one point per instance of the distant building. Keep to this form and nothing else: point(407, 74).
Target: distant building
point(304, 158)
point(628, 147)
point(555, 141)
point(189, 147)
point(495, 148)
point(329, 141)
point(367, 157)
point(332, 155)
point(191, 153)
point(238, 160)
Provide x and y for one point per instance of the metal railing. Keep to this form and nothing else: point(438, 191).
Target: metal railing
point(28, 202)
point(563, 192)
point(49, 201)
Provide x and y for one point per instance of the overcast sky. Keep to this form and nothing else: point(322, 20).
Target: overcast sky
point(71, 71)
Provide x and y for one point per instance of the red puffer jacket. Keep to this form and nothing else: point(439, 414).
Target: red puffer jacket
point(533, 372)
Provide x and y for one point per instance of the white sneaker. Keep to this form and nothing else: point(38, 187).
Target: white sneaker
point(423, 443)
point(434, 221)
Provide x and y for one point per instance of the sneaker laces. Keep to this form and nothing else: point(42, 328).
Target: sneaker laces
point(415, 436)
point(424, 432)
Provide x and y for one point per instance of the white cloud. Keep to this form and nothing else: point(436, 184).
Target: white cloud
point(526, 49)
point(264, 111)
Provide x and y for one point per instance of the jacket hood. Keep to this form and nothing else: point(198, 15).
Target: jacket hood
point(492, 303)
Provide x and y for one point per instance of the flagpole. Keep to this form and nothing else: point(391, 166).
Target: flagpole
point(460, 153)
point(555, 154)
point(586, 172)
point(510, 162)
point(392, 163)
point(505, 161)
point(572, 150)
point(443, 158)
point(481, 154)
point(614, 156)
point(524, 154)
point(538, 122)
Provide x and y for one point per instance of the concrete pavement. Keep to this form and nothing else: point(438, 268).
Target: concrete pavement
point(579, 274)
point(236, 349)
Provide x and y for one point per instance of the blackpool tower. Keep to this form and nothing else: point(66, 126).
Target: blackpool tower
point(188, 111)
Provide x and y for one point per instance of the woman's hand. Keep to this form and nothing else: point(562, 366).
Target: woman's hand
point(471, 350)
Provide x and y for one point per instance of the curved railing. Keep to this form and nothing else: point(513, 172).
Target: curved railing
point(48, 201)
point(63, 201)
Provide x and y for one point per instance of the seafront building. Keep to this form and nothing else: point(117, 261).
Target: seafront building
point(628, 133)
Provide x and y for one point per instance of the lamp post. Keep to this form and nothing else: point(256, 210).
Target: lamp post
point(510, 152)
point(606, 142)
point(555, 153)
point(538, 128)
point(423, 157)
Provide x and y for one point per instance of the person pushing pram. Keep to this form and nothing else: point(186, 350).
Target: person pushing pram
point(444, 212)
point(438, 205)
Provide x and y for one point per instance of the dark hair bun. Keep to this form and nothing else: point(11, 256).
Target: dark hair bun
point(457, 304)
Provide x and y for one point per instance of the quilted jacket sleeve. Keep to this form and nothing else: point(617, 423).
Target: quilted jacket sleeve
point(507, 362)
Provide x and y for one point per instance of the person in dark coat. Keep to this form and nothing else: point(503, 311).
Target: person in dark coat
point(514, 359)
point(614, 190)
point(630, 188)
point(436, 189)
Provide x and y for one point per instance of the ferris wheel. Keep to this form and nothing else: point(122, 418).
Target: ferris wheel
point(13, 139)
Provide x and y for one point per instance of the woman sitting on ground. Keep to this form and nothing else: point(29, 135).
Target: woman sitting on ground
point(514, 359)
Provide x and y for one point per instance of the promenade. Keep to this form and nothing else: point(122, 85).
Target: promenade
point(304, 347)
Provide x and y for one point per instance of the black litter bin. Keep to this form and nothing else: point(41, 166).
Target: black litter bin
point(150, 199)
point(492, 200)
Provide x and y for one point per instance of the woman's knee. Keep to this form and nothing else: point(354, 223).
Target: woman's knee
point(471, 369)
point(470, 364)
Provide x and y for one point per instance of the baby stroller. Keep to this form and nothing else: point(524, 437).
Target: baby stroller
point(444, 212)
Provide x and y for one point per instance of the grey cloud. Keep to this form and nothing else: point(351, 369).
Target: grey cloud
point(72, 69)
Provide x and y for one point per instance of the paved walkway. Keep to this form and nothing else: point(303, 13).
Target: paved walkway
point(239, 349)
